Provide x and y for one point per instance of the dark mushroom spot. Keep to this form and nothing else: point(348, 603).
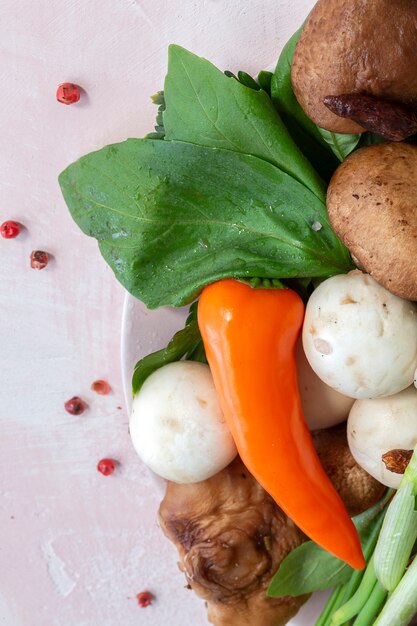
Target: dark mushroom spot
point(397, 460)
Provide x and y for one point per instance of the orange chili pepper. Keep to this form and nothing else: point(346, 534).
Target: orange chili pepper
point(249, 336)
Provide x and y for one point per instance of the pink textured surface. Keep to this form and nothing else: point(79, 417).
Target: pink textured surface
point(77, 546)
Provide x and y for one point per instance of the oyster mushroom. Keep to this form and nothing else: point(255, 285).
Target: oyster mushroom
point(231, 536)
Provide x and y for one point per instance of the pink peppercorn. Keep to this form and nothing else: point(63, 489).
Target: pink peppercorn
point(9, 229)
point(101, 387)
point(75, 406)
point(144, 599)
point(106, 467)
point(68, 93)
point(39, 259)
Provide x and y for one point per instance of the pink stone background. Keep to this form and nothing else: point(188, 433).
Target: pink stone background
point(75, 547)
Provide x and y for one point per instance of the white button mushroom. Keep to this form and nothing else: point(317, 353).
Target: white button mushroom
point(322, 406)
point(377, 426)
point(359, 338)
point(177, 425)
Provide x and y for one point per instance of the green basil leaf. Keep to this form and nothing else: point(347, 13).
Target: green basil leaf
point(364, 521)
point(306, 569)
point(303, 131)
point(341, 145)
point(247, 80)
point(282, 92)
point(315, 142)
point(186, 341)
point(198, 353)
point(192, 313)
point(186, 344)
point(172, 217)
point(264, 79)
point(244, 79)
point(206, 107)
point(310, 568)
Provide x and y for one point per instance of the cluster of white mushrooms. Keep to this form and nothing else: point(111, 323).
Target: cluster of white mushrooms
point(361, 340)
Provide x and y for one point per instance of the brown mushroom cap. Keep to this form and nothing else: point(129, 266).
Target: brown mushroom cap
point(372, 207)
point(362, 46)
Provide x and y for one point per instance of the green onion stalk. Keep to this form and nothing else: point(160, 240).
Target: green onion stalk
point(393, 552)
point(343, 593)
point(387, 591)
point(372, 606)
point(356, 603)
point(401, 605)
point(399, 531)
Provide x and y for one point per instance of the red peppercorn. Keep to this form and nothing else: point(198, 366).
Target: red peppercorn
point(39, 259)
point(144, 599)
point(9, 229)
point(75, 406)
point(101, 387)
point(106, 466)
point(68, 93)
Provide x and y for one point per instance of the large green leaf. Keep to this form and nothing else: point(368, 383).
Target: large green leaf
point(283, 95)
point(316, 143)
point(206, 107)
point(171, 217)
point(303, 131)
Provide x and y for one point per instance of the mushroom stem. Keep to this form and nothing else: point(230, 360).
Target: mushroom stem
point(393, 120)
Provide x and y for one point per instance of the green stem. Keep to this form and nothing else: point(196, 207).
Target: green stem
point(353, 582)
point(368, 548)
point(410, 474)
point(332, 604)
point(343, 593)
point(353, 606)
point(371, 608)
